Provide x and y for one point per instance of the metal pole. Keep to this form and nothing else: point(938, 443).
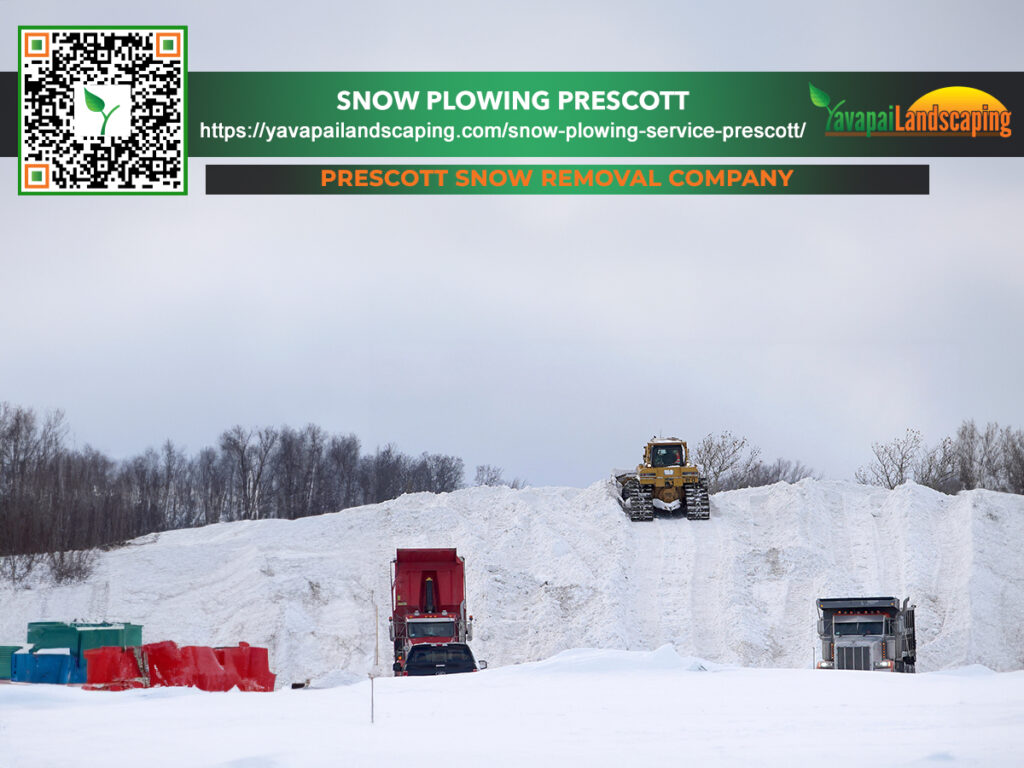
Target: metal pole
point(371, 698)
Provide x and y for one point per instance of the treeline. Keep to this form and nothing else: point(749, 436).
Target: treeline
point(991, 458)
point(58, 503)
point(727, 462)
point(55, 498)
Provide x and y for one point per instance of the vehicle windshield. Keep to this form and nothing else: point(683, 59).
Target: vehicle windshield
point(450, 658)
point(440, 628)
point(666, 455)
point(859, 628)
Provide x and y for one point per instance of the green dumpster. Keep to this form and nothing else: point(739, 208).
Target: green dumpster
point(6, 651)
point(52, 634)
point(107, 635)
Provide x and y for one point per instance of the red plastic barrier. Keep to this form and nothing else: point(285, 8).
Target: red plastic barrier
point(109, 665)
point(248, 666)
point(235, 661)
point(165, 664)
point(209, 675)
point(260, 677)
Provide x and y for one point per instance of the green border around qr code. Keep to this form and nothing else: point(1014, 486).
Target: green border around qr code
point(184, 114)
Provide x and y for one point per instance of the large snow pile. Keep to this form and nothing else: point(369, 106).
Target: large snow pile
point(585, 707)
point(549, 569)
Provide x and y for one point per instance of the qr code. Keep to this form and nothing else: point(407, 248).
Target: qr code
point(102, 110)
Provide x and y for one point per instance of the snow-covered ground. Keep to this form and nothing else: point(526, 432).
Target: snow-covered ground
point(551, 569)
point(588, 708)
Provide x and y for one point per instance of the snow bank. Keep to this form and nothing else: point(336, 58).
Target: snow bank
point(551, 569)
point(586, 707)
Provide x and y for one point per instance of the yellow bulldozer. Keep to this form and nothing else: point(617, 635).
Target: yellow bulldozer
point(666, 482)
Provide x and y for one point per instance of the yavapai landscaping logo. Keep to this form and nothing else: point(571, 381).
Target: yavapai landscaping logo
point(954, 111)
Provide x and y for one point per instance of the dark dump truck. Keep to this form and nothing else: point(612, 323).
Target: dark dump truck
point(874, 634)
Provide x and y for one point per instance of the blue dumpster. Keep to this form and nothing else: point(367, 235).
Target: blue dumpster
point(54, 668)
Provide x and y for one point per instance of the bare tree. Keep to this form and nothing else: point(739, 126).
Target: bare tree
point(290, 475)
point(343, 469)
point(1013, 460)
point(893, 462)
point(251, 455)
point(487, 474)
point(212, 475)
point(977, 456)
point(16, 568)
point(71, 566)
point(176, 502)
point(446, 473)
point(719, 457)
point(417, 475)
point(936, 467)
point(384, 474)
point(314, 441)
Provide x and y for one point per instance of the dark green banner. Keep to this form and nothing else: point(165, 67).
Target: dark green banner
point(604, 114)
point(566, 179)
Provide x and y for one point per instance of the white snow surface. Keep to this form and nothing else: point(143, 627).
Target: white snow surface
point(583, 707)
point(553, 569)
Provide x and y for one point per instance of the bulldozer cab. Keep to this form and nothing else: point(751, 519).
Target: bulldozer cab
point(660, 454)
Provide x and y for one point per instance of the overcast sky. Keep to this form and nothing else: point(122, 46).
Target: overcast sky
point(519, 331)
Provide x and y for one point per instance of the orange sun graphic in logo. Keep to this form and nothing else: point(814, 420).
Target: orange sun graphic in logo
point(957, 110)
point(957, 98)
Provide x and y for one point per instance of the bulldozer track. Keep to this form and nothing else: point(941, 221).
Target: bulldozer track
point(697, 502)
point(637, 501)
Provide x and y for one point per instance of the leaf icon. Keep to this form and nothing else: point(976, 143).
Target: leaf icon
point(818, 97)
point(94, 102)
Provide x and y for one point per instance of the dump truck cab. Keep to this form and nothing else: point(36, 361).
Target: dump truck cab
point(867, 633)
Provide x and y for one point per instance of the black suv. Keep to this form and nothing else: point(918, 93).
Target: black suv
point(441, 659)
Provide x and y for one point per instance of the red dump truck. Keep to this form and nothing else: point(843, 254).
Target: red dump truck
point(428, 605)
